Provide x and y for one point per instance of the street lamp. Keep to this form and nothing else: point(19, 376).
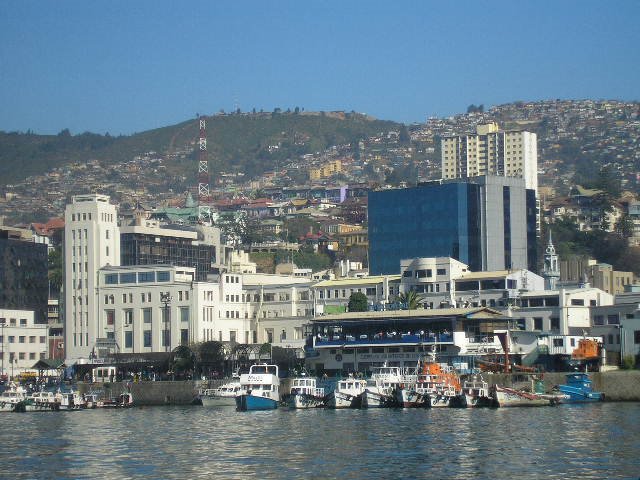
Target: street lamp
point(165, 298)
point(2, 324)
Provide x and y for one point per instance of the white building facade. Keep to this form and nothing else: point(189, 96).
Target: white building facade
point(23, 342)
point(91, 241)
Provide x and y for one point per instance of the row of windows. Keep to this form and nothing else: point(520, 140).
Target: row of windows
point(346, 293)
point(23, 339)
point(13, 322)
point(425, 273)
point(136, 277)
point(23, 356)
point(80, 216)
point(231, 279)
point(147, 315)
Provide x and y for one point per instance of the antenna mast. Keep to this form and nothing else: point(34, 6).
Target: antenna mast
point(204, 195)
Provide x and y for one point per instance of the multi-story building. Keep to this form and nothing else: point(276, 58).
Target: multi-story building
point(92, 241)
point(491, 151)
point(150, 243)
point(23, 341)
point(329, 168)
point(488, 223)
point(581, 270)
point(24, 284)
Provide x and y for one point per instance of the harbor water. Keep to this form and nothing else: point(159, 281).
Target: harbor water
point(592, 441)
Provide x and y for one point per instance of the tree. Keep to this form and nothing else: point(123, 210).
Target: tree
point(358, 302)
point(411, 299)
point(56, 276)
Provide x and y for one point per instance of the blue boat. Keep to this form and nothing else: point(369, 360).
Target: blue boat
point(578, 388)
point(260, 387)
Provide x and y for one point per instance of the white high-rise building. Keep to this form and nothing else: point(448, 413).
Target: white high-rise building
point(92, 240)
point(492, 151)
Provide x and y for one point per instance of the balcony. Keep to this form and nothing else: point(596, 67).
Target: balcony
point(381, 339)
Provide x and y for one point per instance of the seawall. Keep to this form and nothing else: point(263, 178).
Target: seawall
point(621, 385)
point(617, 386)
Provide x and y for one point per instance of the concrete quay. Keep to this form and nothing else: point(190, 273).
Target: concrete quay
point(619, 385)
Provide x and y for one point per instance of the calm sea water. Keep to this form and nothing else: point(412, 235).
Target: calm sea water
point(569, 441)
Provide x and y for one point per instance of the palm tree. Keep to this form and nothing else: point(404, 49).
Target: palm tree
point(411, 299)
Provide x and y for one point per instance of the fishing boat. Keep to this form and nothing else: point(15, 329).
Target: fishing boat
point(12, 396)
point(260, 388)
point(124, 400)
point(578, 388)
point(380, 388)
point(437, 385)
point(222, 396)
point(475, 393)
point(70, 400)
point(42, 401)
point(534, 397)
point(347, 393)
point(304, 393)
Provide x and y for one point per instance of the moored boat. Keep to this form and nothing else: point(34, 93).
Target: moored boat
point(260, 388)
point(124, 400)
point(42, 401)
point(11, 397)
point(347, 393)
point(222, 396)
point(475, 393)
point(304, 393)
point(578, 388)
point(380, 388)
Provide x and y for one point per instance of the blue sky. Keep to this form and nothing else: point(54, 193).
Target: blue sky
point(124, 67)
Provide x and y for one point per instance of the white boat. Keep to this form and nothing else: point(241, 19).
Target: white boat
point(381, 386)
point(39, 402)
point(12, 396)
point(260, 388)
point(222, 396)
point(70, 400)
point(347, 393)
point(304, 393)
point(475, 393)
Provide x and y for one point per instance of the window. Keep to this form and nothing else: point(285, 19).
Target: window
point(21, 356)
point(22, 339)
point(32, 356)
point(128, 339)
point(23, 322)
point(441, 271)
point(144, 277)
point(43, 339)
point(184, 314)
point(12, 339)
point(111, 316)
point(558, 342)
point(147, 338)
point(577, 302)
point(598, 320)
point(636, 336)
point(165, 338)
point(128, 316)
point(555, 323)
point(613, 319)
point(164, 276)
point(184, 336)
point(537, 323)
point(146, 315)
point(32, 339)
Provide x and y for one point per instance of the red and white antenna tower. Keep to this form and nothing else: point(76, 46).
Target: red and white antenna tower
point(204, 195)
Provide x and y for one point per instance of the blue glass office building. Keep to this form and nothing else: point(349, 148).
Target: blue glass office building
point(486, 222)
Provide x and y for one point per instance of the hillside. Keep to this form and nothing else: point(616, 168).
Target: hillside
point(248, 143)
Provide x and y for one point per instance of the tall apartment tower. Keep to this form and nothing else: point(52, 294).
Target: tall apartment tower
point(491, 151)
point(91, 241)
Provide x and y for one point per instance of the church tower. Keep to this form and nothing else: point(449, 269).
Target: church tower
point(551, 269)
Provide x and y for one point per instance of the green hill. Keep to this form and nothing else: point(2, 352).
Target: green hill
point(249, 143)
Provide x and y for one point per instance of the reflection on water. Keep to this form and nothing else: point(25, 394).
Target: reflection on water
point(581, 441)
